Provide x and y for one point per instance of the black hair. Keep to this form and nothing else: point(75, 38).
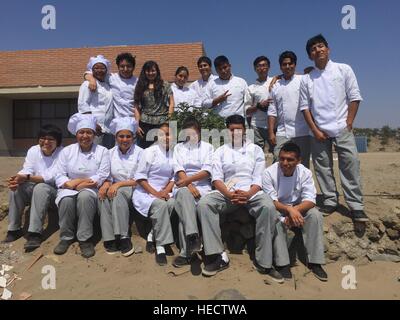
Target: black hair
point(204, 59)
point(235, 119)
point(319, 38)
point(126, 56)
point(290, 146)
point(143, 83)
point(191, 122)
point(220, 60)
point(52, 131)
point(259, 59)
point(180, 69)
point(287, 54)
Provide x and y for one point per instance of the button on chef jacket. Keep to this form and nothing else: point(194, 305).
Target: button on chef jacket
point(99, 103)
point(236, 103)
point(285, 107)
point(289, 190)
point(155, 166)
point(327, 94)
point(239, 168)
point(74, 164)
point(193, 158)
point(38, 164)
point(123, 166)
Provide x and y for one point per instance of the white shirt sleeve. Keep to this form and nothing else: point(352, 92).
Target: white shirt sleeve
point(259, 166)
point(352, 89)
point(268, 186)
point(178, 160)
point(308, 191)
point(29, 163)
point(84, 98)
point(61, 175)
point(304, 101)
point(217, 172)
point(208, 160)
point(247, 102)
point(103, 171)
point(272, 109)
point(142, 171)
point(208, 99)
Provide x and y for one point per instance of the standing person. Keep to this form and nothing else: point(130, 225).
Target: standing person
point(122, 85)
point(153, 196)
point(154, 100)
point(100, 102)
point(192, 167)
point(329, 100)
point(290, 185)
point(259, 95)
point(182, 94)
point(237, 177)
point(81, 169)
point(284, 110)
point(34, 186)
point(200, 85)
point(115, 195)
point(227, 95)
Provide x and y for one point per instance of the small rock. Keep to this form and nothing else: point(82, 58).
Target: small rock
point(383, 257)
point(373, 234)
point(389, 220)
point(393, 234)
point(229, 294)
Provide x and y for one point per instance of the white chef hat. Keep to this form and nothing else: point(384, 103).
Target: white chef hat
point(125, 123)
point(81, 121)
point(98, 59)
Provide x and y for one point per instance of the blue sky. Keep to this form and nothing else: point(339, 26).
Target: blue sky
point(241, 30)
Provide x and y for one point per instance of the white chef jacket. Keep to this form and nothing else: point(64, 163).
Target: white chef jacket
point(236, 103)
point(285, 107)
point(327, 94)
point(182, 95)
point(239, 168)
point(100, 103)
point(122, 90)
point(193, 158)
point(38, 164)
point(200, 87)
point(289, 190)
point(155, 166)
point(123, 166)
point(74, 164)
point(259, 91)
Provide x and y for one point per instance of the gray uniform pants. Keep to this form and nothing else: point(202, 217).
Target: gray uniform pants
point(40, 196)
point(81, 207)
point(114, 214)
point(260, 207)
point(303, 142)
point(313, 237)
point(349, 169)
point(261, 138)
point(185, 207)
point(160, 215)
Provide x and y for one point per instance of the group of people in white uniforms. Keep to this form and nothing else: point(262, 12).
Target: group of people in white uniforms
point(328, 98)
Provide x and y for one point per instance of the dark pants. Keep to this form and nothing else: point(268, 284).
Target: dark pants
point(146, 141)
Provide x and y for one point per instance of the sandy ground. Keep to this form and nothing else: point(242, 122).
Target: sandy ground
point(138, 277)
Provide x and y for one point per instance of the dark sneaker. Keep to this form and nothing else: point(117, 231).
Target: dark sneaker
point(87, 249)
point(327, 210)
point(34, 242)
point(285, 272)
point(214, 267)
point(193, 244)
point(180, 262)
point(111, 246)
point(13, 236)
point(62, 246)
point(126, 247)
point(150, 247)
point(271, 273)
point(161, 259)
point(359, 216)
point(317, 270)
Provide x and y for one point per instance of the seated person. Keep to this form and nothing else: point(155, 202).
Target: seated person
point(291, 187)
point(34, 185)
